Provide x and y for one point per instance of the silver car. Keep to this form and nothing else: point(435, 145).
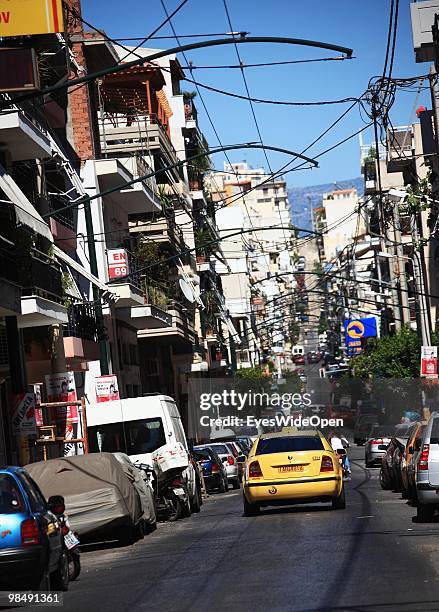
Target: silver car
point(227, 456)
point(427, 471)
point(376, 445)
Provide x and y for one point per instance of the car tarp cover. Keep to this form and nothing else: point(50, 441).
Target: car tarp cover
point(96, 490)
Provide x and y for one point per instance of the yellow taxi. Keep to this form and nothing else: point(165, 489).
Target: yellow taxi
point(292, 467)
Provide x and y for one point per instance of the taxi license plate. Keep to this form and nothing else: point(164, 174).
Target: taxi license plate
point(290, 468)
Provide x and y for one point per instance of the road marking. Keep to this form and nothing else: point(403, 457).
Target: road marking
point(366, 516)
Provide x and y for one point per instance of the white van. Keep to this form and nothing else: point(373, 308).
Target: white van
point(298, 349)
point(139, 426)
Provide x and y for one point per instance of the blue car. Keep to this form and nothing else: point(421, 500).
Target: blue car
point(32, 553)
point(214, 472)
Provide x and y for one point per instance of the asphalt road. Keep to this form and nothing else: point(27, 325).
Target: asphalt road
point(304, 558)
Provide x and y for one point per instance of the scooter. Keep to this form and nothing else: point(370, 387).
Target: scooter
point(342, 454)
point(171, 495)
point(71, 541)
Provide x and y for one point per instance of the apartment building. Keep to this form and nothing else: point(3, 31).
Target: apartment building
point(260, 262)
point(112, 285)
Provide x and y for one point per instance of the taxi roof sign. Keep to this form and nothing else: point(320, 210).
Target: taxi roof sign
point(29, 17)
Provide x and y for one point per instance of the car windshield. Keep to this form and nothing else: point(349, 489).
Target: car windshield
point(130, 437)
point(11, 500)
point(202, 454)
point(381, 432)
point(288, 444)
point(221, 449)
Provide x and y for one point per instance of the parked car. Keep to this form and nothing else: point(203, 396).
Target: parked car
point(100, 500)
point(413, 443)
point(142, 482)
point(427, 471)
point(390, 473)
point(299, 359)
point(214, 472)
point(245, 441)
point(376, 445)
point(313, 357)
point(32, 554)
point(365, 423)
point(411, 465)
point(226, 455)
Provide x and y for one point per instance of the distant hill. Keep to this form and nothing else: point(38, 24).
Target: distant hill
point(304, 199)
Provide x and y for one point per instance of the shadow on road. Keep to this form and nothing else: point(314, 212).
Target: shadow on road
point(404, 606)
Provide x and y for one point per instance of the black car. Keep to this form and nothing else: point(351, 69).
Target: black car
point(214, 472)
point(32, 553)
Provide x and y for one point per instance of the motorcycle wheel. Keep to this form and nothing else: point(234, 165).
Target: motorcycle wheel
point(176, 509)
point(74, 566)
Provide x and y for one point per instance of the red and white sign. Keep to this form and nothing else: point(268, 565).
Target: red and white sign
point(429, 361)
point(117, 263)
point(36, 389)
point(61, 388)
point(23, 417)
point(107, 389)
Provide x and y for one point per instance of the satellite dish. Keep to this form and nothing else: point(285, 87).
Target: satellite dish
point(186, 290)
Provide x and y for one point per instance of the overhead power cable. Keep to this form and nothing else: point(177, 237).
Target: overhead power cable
point(179, 49)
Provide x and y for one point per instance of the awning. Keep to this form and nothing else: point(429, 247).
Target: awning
point(80, 269)
point(25, 213)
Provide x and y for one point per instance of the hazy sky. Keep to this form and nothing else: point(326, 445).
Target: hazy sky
point(359, 24)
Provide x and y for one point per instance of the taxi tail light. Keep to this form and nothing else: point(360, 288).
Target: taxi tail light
point(30, 533)
point(215, 467)
point(327, 464)
point(230, 460)
point(379, 441)
point(254, 470)
point(423, 458)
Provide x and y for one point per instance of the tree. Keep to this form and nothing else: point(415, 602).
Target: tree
point(395, 356)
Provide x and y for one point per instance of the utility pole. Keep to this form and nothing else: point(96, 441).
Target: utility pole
point(103, 352)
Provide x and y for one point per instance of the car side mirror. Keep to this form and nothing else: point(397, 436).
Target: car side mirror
point(241, 459)
point(224, 459)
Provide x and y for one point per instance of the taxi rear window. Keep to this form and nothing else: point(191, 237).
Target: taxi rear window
point(267, 446)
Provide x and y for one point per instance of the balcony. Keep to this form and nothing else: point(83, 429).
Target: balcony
point(138, 198)
point(43, 294)
point(181, 329)
point(205, 266)
point(400, 148)
point(146, 317)
point(81, 335)
point(128, 289)
point(144, 133)
point(10, 291)
point(62, 225)
point(22, 138)
point(163, 231)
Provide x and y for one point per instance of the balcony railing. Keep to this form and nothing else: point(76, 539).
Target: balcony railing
point(66, 217)
point(83, 323)
point(122, 134)
point(9, 266)
point(134, 278)
point(40, 275)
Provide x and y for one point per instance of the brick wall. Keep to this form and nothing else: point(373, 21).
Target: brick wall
point(82, 121)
